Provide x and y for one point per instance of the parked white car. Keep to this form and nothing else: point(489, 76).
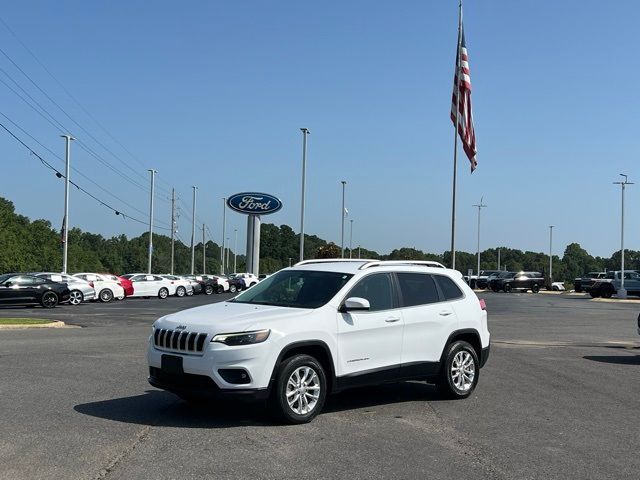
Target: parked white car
point(222, 282)
point(321, 327)
point(249, 278)
point(183, 285)
point(80, 290)
point(145, 285)
point(107, 286)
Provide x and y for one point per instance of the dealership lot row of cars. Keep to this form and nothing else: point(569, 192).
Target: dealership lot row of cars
point(50, 289)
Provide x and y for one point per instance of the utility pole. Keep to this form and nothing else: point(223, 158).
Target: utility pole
point(173, 226)
point(305, 133)
point(344, 184)
point(65, 221)
point(193, 232)
point(480, 206)
point(550, 256)
point(228, 250)
point(153, 181)
point(351, 240)
point(235, 251)
point(204, 253)
point(358, 252)
point(622, 292)
point(498, 258)
point(224, 233)
point(289, 261)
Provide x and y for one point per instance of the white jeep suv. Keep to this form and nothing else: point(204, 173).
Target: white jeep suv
point(323, 326)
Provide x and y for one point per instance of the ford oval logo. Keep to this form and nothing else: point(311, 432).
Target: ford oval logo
point(252, 203)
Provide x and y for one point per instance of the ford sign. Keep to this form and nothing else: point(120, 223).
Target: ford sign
point(252, 203)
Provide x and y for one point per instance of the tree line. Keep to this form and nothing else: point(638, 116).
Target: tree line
point(27, 245)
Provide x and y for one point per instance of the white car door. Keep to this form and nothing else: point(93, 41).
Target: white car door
point(370, 342)
point(428, 321)
point(140, 286)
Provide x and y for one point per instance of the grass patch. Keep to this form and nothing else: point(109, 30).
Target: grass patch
point(23, 321)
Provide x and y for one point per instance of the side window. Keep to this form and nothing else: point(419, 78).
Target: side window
point(158, 279)
point(377, 289)
point(449, 288)
point(39, 281)
point(417, 289)
point(26, 281)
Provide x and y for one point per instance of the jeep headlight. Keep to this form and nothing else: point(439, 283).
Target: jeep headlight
point(243, 338)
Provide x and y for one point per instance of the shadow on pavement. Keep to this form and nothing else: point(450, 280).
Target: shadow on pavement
point(616, 359)
point(159, 408)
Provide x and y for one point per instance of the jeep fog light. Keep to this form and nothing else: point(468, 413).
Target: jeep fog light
point(244, 338)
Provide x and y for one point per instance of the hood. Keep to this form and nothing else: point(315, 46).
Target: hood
point(228, 317)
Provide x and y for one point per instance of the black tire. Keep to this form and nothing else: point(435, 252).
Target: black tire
point(105, 295)
point(220, 289)
point(507, 288)
point(578, 289)
point(278, 402)
point(252, 284)
point(232, 288)
point(163, 293)
point(181, 291)
point(535, 289)
point(594, 293)
point(446, 382)
point(49, 299)
point(208, 290)
point(76, 297)
point(607, 292)
point(495, 289)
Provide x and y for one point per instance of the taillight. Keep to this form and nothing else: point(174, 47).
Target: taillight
point(483, 305)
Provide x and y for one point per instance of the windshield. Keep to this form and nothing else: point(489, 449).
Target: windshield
point(296, 289)
point(5, 277)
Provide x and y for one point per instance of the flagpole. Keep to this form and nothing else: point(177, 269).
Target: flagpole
point(455, 141)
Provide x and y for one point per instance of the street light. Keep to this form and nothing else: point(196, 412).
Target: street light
point(351, 240)
point(344, 185)
point(305, 133)
point(153, 180)
point(480, 207)
point(65, 234)
point(224, 233)
point(622, 293)
point(551, 256)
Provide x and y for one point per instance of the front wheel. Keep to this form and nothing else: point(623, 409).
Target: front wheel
point(163, 293)
point(208, 290)
point(232, 288)
point(49, 300)
point(181, 292)
point(76, 297)
point(460, 371)
point(299, 391)
point(507, 288)
point(220, 289)
point(106, 295)
point(535, 289)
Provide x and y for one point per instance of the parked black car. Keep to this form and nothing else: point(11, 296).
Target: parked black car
point(483, 279)
point(208, 285)
point(523, 281)
point(236, 284)
point(20, 289)
point(583, 284)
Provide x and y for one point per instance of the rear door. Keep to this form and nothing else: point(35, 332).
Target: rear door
point(370, 342)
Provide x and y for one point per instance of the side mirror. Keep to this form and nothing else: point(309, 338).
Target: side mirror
point(352, 304)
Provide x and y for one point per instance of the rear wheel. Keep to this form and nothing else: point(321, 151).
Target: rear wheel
point(49, 300)
point(208, 290)
point(507, 288)
point(299, 391)
point(232, 288)
point(106, 295)
point(460, 372)
point(607, 292)
point(220, 289)
point(181, 292)
point(163, 293)
point(535, 289)
point(76, 297)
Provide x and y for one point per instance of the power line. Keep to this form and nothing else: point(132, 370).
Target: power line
point(61, 175)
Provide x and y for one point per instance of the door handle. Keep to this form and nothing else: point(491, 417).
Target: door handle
point(392, 319)
point(446, 313)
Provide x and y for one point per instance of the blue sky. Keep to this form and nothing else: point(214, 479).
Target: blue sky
point(214, 93)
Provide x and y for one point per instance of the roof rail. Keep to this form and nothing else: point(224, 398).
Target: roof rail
point(333, 260)
point(385, 263)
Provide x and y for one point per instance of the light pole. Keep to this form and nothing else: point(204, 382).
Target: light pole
point(305, 133)
point(173, 227)
point(193, 231)
point(351, 240)
point(65, 222)
point(204, 253)
point(290, 261)
point(498, 259)
point(224, 233)
point(235, 251)
point(344, 185)
point(228, 249)
point(153, 181)
point(550, 256)
point(480, 206)
point(622, 293)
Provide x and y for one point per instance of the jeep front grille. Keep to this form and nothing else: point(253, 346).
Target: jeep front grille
point(179, 340)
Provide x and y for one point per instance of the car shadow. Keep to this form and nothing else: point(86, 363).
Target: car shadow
point(159, 408)
point(615, 359)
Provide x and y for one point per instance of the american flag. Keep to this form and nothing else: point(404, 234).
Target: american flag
point(465, 115)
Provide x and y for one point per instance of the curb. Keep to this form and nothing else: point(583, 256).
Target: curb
point(54, 324)
point(616, 300)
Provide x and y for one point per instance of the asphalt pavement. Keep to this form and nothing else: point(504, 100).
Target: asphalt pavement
point(558, 399)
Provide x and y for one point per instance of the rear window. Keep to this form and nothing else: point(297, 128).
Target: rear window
point(417, 289)
point(449, 288)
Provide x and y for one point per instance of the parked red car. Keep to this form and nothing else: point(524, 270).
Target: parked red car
point(127, 285)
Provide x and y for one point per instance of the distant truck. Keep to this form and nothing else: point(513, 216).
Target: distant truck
point(584, 283)
point(611, 283)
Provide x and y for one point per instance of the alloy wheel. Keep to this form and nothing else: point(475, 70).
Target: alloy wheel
point(49, 300)
point(463, 371)
point(75, 297)
point(303, 390)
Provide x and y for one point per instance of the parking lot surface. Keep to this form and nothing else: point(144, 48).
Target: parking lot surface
point(559, 398)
